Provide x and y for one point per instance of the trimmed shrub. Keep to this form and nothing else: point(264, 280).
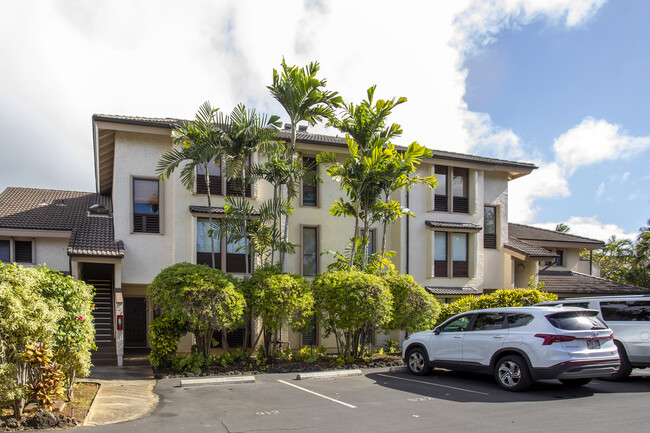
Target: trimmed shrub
point(500, 298)
point(204, 298)
point(349, 301)
point(414, 309)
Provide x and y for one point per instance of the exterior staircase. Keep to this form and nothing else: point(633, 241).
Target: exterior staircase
point(104, 316)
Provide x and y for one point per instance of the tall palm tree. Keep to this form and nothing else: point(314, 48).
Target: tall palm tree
point(303, 97)
point(198, 142)
point(242, 133)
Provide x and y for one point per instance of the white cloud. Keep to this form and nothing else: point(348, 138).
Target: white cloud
point(600, 190)
point(548, 181)
point(590, 227)
point(487, 137)
point(593, 141)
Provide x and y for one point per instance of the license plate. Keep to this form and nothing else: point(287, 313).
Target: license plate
point(593, 344)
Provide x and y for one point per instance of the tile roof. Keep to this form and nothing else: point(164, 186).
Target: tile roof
point(46, 209)
point(463, 291)
point(451, 225)
point(308, 137)
point(524, 232)
point(582, 284)
point(215, 209)
point(530, 251)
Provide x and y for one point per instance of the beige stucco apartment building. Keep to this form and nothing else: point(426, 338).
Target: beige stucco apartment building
point(121, 236)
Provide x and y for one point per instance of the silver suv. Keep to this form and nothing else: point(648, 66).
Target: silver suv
point(518, 345)
point(629, 318)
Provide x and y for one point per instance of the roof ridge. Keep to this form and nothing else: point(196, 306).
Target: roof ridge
point(555, 232)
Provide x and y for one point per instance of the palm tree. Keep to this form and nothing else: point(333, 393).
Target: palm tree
point(302, 96)
point(242, 133)
point(562, 228)
point(198, 142)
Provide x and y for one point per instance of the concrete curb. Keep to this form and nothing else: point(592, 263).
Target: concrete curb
point(218, 380)
point(398, 370)
point(328, 374)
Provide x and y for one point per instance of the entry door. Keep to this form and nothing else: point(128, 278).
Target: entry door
point(135, 322)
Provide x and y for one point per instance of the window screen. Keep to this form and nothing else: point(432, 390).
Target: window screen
point(23, 252)
point(4, 251)
point(309, 251)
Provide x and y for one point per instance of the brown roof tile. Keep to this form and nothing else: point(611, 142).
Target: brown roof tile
point(569, 282)
point(463, 291)
point(308, 137)
point(451, 225)
point(524, 232)
point(530, 251)
point(46, 209)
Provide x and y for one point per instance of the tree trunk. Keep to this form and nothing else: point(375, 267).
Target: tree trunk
point(353, 252)
point(19, 403)
point(243, 195)
point(366, 235)
point(224, 339)
point(72, 376)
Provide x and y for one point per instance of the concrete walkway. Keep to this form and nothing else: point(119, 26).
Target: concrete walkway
point(125, 394)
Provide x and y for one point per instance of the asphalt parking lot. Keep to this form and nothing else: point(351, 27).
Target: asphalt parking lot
point(380, 401)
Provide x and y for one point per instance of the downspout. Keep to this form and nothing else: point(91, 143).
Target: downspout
point(591, 263)
point(408, 250)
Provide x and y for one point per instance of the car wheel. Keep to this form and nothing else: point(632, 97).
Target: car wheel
point(575, 382)
point(625, 369)
point(511, 373)
point(417, 361)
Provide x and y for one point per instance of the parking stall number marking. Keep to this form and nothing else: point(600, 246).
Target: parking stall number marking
point(267, 412)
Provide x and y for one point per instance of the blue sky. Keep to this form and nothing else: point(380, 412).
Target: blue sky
point(543, 79)
point(561, 83)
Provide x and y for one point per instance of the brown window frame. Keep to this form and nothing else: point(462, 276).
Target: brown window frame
point(27, 246)
point(135, 227)
point(490, 239)
point(450, 268)
point(318, 249)
point(316, 186)
point(225, 261)
point(444, 198)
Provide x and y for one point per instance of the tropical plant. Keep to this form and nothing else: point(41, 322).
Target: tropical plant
point(204, 298)
point(562, 228)
point(347, 303)
point(303, 97)
point(243, 133)
point(197, 146)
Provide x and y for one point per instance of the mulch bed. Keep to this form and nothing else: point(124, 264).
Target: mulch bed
point(71, 415)
point(284, 366)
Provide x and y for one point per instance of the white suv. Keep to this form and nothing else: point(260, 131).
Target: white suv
point(629, 318)
point(518, 345)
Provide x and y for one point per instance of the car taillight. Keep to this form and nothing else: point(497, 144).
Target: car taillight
point(550, 339)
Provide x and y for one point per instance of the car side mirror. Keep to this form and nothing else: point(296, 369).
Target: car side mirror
point(436, 330)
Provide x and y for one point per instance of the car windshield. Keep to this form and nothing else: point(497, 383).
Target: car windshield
point(576, 320)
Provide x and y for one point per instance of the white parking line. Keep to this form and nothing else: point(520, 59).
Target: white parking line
point(434, 384)
point(319, 395)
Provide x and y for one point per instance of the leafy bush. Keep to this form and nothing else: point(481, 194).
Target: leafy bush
point(277, 298)
point(309, 355)
point(204, 298)
point(500, 298)
point(414, 309)
point(347, 302)
point(164, 333)
point(46, 376)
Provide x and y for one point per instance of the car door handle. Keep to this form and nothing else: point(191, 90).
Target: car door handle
point(497, 336)
point(458, 336)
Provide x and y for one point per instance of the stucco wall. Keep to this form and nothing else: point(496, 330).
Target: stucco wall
point(496, 194)
point(53, 252)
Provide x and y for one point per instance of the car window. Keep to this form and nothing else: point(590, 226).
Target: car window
point(457, 325)
point(576, 320)
point(519, 319)
point(488, 321)
point(626, 311)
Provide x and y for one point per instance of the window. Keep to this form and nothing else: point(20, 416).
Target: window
point(23, 252)
point(310, 251)
point(216, 186)
point(309, 185)
point(233, 261)
point(489, 321)
point(459, 186)
point(440, 262)
point(625, 311)
point(459, 255)
point(559, 260)
point(457, 325)
point(457, 243)
point(576, 321)
point(233, 186)
point(204, 245)
point(310, 335)
point(146, 206)
point(517, 320)
point(459, 190)
point(490, 227)
point(4, 251)
point(441, 199)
